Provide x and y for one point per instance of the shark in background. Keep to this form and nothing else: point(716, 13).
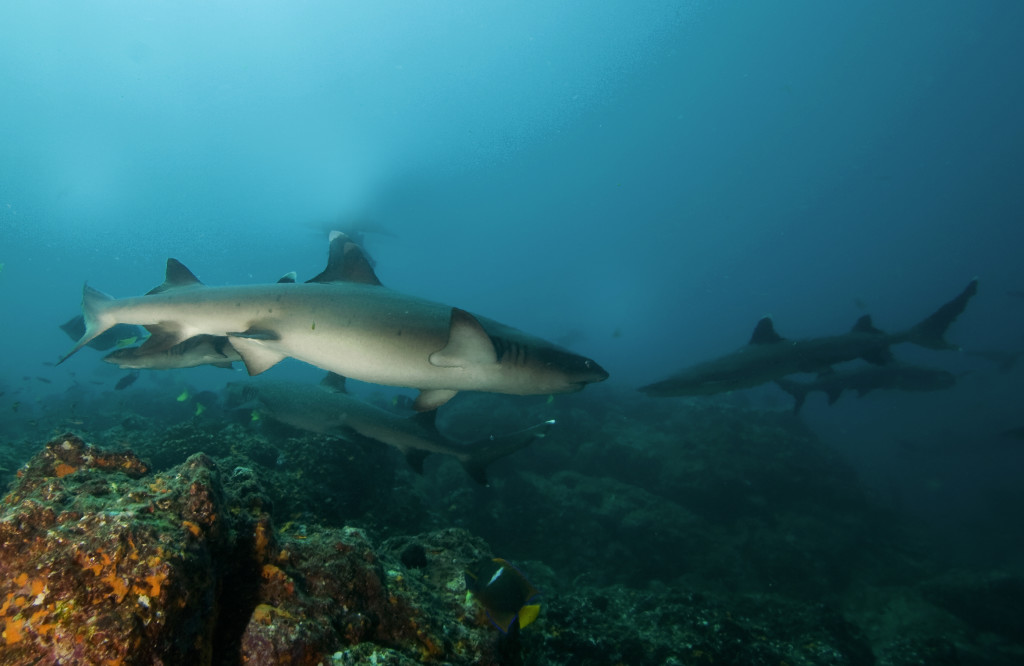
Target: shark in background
point(768, 356)
point(867, 378)
point(330, 410)
point(344, 321)
point(198, 350)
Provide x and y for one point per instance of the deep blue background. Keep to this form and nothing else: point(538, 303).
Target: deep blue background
point(644, 179)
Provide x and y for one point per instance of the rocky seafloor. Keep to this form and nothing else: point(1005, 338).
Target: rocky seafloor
point(664, 532)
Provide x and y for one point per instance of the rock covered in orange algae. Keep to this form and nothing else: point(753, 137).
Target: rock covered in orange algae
point(99, 565)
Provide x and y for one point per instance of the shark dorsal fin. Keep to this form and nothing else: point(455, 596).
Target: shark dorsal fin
point(288, 278)
point(764, 333)
point(346, 262)
point(176, 277)
point(335, 382)
point(864, 325)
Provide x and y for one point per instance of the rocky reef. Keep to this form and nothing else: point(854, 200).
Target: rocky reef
point(696, 533)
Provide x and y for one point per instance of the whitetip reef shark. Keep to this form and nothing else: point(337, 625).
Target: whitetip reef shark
point(346, 322)
point(328, 409)
point(868, 378)
point(768, 356)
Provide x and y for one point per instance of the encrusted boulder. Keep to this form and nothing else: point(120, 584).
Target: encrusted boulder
point(98, 565)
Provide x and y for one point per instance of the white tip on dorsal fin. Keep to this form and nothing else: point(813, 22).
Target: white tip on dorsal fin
point(176, 277)
point(346, 262)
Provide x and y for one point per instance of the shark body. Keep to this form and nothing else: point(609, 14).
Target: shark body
point(346, 322)
point(868, 378)
point(328, 409)
point(768, 356)
point(199, 350)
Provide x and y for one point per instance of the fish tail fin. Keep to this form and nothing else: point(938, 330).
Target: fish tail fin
point(95, 305)
point(931, 331)
point(485, 451)
point(795, 389)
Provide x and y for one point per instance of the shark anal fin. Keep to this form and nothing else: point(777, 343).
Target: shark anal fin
point(429, 399)
point(468, 343)
point(257, 357)
point(764, 333)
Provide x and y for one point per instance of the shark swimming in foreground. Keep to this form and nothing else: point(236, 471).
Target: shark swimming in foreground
point(328, 409)
point(868, 378)
point(768, 356)
point(198, 350)
point(345, 321)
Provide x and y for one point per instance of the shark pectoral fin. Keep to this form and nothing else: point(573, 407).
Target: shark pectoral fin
point(468, 343)
point(256, 356)
point(288, 278)
point(432, 399)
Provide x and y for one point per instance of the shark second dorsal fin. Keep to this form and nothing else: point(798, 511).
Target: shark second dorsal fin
point(865, 325)
point(287, 278)
point(764, 333)
point(176, 277)
point(346, 262)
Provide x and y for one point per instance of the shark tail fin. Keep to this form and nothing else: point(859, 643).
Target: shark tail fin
point(485, 451)
point(931, 331)
point(797, 390)
point(94, 305)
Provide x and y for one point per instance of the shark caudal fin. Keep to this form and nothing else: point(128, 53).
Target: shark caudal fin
point(482, 453)
point(94, 304)
point(931, 331)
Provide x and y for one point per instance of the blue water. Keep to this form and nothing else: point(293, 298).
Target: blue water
point(645, 179)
